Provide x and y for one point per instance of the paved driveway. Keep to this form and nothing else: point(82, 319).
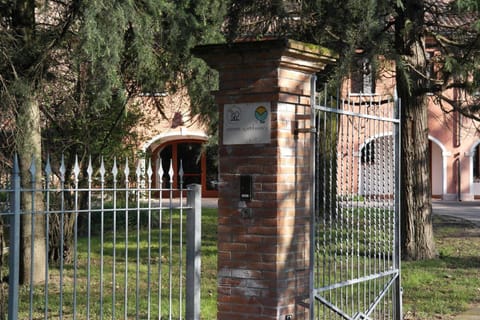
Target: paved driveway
point(468, 210)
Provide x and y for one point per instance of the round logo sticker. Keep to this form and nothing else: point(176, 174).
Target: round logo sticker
point(261, 114)
point(234, 115)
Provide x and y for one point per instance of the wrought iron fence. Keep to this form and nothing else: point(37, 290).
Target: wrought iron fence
point(108, 245)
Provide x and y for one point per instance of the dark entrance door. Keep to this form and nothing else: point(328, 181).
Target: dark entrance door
point(199, 165)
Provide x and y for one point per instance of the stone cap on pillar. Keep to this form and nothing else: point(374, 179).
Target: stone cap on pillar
point(283, 52)
point(256, 67)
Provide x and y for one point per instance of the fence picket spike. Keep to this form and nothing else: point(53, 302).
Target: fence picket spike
point(126, 171)
point(16, 167)
point(76, 169)
point(160, 171)
point(90, 169)
point(62, 169)
point(171, 172)
point(180, 172)
point(115, 169)
point(138, 172)
point(48, 167)
point(33, 169)
point(149, 170)
point(102, 171)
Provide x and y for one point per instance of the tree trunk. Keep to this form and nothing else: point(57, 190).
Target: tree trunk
point(33, 249)
point(416, 218)
point(24, 85)
point(416, 206)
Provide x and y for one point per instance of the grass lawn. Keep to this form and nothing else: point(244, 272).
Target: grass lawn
point(443, 287)
point(434, 289)
point(122, 280)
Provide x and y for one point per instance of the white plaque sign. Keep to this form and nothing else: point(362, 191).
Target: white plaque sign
point(247, 123)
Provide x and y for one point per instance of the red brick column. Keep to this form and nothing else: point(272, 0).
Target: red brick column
point(263, 243)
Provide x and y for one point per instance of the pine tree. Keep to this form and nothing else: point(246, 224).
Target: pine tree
point(398, 31)
point(69, 68)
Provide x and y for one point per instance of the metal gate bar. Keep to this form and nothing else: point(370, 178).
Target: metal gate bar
point(355, 251)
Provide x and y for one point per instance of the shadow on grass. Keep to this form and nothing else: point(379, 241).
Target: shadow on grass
point(443, 287)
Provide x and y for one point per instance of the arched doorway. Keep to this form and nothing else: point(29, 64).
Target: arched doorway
point(198, 162)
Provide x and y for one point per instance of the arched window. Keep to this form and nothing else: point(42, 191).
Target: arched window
point(476, 164)
point(368, 153)
point(199, 165)
point(362, 78)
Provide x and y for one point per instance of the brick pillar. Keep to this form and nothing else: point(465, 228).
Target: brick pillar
point(263, 242)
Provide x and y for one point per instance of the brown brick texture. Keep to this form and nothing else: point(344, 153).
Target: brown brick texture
point(263, 260)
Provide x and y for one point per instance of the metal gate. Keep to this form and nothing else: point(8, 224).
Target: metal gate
point(355, 253)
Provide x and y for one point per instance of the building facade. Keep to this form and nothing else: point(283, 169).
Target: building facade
point(454, 140)
point(170, 136)
point(173, 134)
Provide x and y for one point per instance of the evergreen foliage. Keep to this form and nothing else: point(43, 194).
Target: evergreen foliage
point(435, 47)
point(70, 69)
point(85, 60)
point(377, 28)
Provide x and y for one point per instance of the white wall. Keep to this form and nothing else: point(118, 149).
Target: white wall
point(437, 170)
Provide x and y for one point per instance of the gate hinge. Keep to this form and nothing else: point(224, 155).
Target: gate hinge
point(304, 130)
point(303, 117)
